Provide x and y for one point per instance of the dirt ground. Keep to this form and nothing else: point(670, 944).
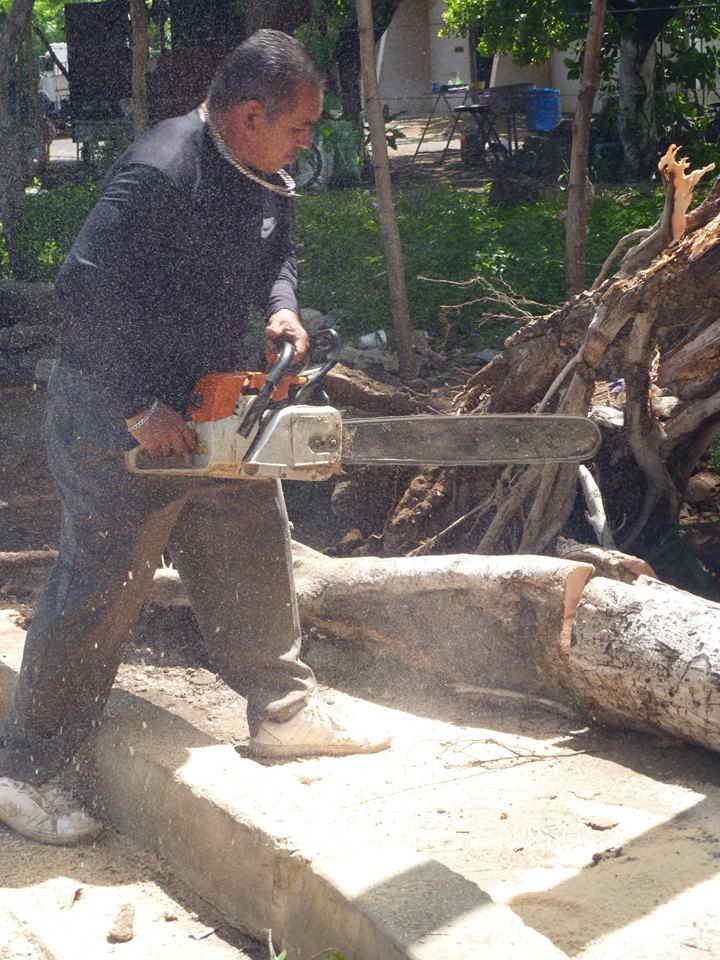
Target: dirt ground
point(607, 842)
point(63, 903)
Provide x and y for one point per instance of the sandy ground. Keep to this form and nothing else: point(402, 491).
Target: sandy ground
point(607, 842)
point(63, 904)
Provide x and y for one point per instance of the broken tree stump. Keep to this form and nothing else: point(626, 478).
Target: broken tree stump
point(661, 302)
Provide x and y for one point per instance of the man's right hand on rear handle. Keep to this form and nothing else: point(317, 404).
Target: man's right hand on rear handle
point(161, 431)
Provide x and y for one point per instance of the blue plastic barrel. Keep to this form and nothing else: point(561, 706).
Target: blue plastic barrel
point(542, 108)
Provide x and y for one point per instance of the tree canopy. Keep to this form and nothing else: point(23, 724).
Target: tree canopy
point(532, 30)
point(680, 31)
point(48, 14)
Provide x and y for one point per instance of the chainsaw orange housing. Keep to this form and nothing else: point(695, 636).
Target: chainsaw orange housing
point(216, 395)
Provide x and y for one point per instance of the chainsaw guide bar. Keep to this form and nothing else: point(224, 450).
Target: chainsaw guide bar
point(470, 440)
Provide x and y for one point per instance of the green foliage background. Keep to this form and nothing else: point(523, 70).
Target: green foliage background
point(448, 235)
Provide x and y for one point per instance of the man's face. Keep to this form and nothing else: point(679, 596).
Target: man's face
point(268, 143)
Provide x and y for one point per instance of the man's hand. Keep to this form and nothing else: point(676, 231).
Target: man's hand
point(164, 433)
point(285, 325)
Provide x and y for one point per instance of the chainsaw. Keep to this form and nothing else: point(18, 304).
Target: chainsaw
point(252, 425)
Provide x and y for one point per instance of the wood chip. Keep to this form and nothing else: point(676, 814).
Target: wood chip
point(122, 929)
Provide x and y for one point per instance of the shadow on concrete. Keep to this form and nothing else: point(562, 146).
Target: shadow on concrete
point(681, 849)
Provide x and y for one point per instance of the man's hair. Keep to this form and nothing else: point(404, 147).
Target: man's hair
point(269, 66)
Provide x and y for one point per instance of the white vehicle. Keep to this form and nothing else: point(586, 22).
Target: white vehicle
point(53, 83)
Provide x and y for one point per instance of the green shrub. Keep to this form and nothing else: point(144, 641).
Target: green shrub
point(52, 219)
point(713, 455)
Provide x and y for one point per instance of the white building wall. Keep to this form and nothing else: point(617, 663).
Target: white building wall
point(505, 72)
point(449, 56)
point(404, 60)
point(559, 81)
point(413, 57)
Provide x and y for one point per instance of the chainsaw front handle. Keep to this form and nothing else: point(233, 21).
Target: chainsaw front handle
point(316, 373)
point(273, 377)
point(280, 368)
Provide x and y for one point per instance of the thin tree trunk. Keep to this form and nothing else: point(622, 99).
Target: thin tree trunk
point(12, 150)
point(580, 192)
point(139, 18)
point(349, 67)
point(636, 121)
point(388, 222)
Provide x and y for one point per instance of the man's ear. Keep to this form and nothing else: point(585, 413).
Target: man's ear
point(252, 112)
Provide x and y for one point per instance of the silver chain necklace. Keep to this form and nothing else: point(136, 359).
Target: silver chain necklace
point(288, 190)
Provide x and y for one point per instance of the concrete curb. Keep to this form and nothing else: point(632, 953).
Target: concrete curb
point(245, 837)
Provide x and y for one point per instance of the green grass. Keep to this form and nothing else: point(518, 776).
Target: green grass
point(713, 455)
point(449, 237)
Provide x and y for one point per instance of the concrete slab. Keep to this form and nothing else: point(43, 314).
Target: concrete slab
point(496, 823)
point(254, 842)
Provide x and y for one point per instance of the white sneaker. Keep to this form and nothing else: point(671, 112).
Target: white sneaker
point(313, 731)
point(45, 813)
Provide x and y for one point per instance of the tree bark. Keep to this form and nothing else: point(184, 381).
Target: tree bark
point(139, 18)
point(641, 23)
point(647, 656)
point(388, 221)
point(688, 368)
point(636, 119)
point(580, 190)
point(352, 388)
point(349, 69)
point(13, 158)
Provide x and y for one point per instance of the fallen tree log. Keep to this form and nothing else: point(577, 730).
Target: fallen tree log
point(640, 655)
point(353, 388)
point(608, 563)
point(466, 618)
point(30, 303)
point(647, 656)
point(27, 558)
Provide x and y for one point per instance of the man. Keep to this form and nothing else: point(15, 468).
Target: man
point(191, 240)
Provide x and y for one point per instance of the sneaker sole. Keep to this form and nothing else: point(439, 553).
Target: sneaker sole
point(52, 839)
point(283, 752)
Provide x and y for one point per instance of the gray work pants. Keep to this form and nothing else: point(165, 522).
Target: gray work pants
point(229, 541)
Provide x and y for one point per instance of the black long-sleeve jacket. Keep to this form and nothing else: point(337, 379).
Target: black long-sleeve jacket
point(178, 255)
